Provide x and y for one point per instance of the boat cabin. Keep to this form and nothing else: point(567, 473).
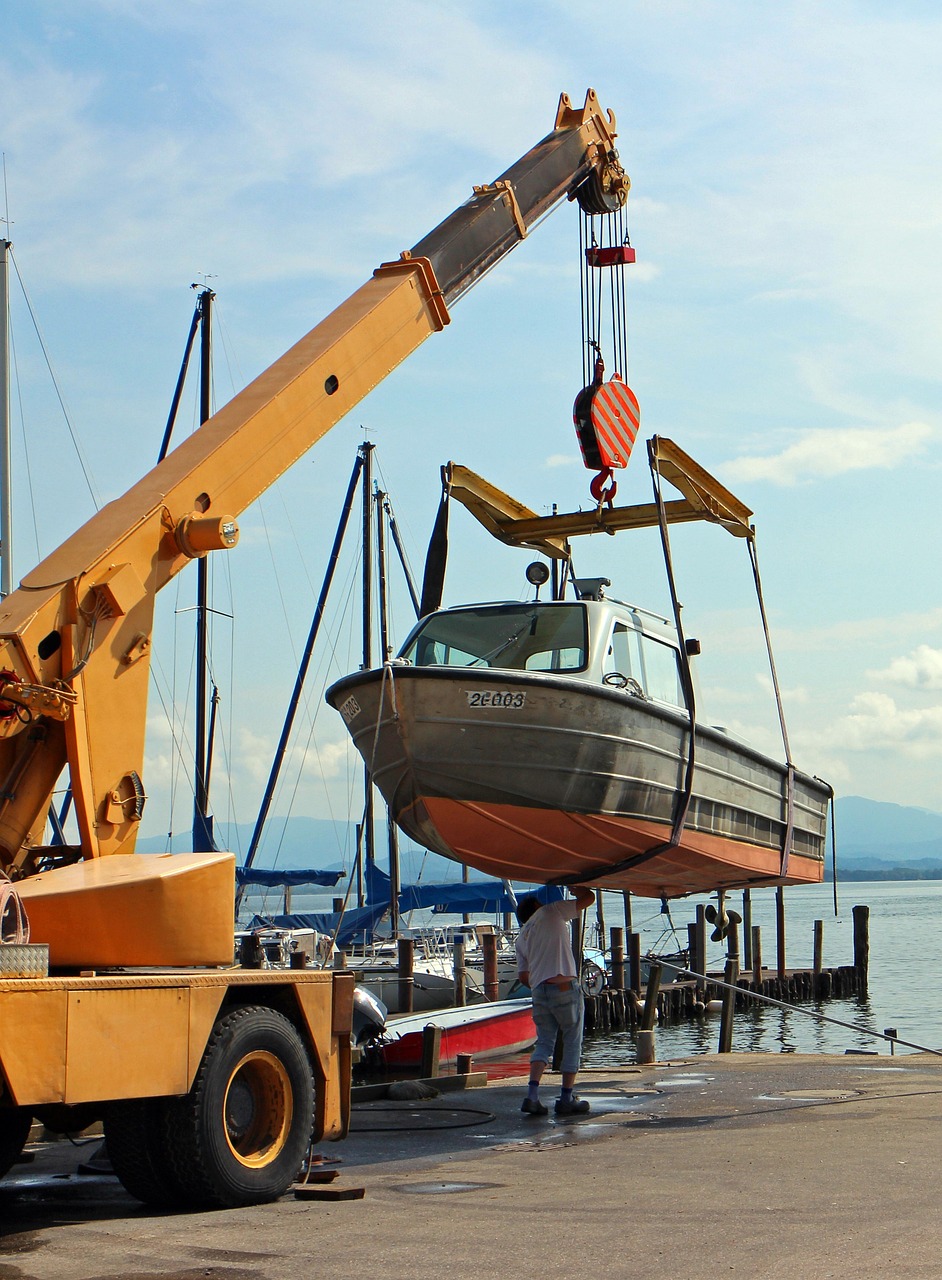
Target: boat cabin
point(597, 640)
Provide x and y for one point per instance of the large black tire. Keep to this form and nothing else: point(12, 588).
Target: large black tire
point(15, 1125)
point(240, 1135)
point(138, 1147)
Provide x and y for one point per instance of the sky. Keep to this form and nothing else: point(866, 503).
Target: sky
point(783, 318)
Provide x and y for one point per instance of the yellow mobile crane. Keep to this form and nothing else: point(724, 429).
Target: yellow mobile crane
point(211, 1080)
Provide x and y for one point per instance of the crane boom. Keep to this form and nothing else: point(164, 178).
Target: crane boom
point(75, 636)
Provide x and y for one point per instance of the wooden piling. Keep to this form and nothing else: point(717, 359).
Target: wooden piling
point(862, 945)
point(406, 952)
point(701, 936)
point(491, 983)
point(634, 961)
point(757, 955)
point(645, 1048)
point(431, 1051)
point(730, 977)
point(747, 928)
point(818, 961)
point(617, 952)
point(650, 998)
point(780, 932)
point(461, 973)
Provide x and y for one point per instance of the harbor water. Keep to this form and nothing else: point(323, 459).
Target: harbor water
point(904, 983)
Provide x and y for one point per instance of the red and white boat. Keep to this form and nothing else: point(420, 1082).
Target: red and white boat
point(480, 1030)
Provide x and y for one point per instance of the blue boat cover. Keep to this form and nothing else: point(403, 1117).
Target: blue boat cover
point(355, 925)
point(454, 896)
point(288, 878)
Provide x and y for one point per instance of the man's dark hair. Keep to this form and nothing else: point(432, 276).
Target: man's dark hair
point(526, 908)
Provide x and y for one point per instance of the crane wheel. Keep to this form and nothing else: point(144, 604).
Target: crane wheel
point(135, 1138)
point(15, 1125)
point(241, 1133)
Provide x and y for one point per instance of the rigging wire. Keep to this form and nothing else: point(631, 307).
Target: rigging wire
point(83, 463)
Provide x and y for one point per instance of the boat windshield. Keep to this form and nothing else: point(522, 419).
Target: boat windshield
point(525, 637)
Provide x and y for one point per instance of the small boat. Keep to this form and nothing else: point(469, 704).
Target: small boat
point(479, 1030)
point(556, 740)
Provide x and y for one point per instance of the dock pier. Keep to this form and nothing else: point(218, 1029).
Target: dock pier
point(622, 1007)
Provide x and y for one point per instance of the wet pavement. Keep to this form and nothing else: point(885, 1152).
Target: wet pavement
point(744, 1165)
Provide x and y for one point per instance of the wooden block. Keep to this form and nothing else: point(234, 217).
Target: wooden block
point(305, 1191)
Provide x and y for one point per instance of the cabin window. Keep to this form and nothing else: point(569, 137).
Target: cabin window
point(623, 653)
point(522, 637)
point(661, 680)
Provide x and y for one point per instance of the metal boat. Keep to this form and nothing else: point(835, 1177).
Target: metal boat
point(548, 741)
point(557, 741)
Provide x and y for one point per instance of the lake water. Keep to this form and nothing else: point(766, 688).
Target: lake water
point(905, 973)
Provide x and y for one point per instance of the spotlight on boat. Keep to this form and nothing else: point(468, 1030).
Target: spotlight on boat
point(537, 575)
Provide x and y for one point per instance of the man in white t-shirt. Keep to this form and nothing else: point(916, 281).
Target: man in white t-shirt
point(547, 966)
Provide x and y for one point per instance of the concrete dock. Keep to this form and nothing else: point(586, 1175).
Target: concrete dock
point(736, 1165)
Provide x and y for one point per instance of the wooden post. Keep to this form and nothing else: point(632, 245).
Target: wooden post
point(818, 947)
point(692, 961)
point(756, 954)
point(431, 1051)
point(862, 945)
point(461, 973)
point(337, 904)
point(464, 1064)
point(491, 982)
point(634, 961)
point(340, 959)
point(618, 958)
point(650, 998)
point(406, 970)
point(627, 900)
point(732, 941)
point(747, 928)
point(287, 899)
point(701, 938)
point(646, 1050)
point(600, 917)
point(780, 932)
point(730, 977)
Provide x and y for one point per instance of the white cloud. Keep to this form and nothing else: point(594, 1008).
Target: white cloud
point(921, 669)
point(832, 453)
point(876, 722)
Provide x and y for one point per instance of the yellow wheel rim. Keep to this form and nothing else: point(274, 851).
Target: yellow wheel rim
point(258, 1109)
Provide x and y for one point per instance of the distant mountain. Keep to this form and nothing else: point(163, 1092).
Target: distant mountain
point(877, 834)
point(313, 842)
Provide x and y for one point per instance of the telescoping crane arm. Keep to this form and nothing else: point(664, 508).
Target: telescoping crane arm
point(75, 636)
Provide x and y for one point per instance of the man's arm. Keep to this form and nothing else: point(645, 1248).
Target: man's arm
point(583, 896)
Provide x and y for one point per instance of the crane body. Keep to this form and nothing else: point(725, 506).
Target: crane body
point(140, 949)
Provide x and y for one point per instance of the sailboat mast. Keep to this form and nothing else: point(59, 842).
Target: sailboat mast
point(392, 833)
point(6, 485)
point(202, 821)
point(366, 449)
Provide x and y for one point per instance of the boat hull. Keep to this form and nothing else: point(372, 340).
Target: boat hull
point(548, 778)
point(480, 1031)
